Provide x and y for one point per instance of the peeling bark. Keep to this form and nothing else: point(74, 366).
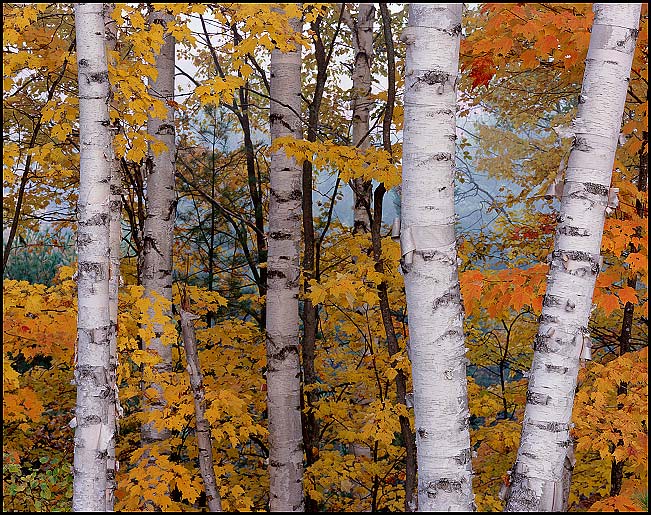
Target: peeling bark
point(430, 271)
point(537, 481)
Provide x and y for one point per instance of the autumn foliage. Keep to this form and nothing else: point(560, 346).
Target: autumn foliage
point(521, 73)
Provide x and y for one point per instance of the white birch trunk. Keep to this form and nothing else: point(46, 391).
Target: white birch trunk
point(285, 217)
point(562, 339)
point(115, 235)
point(159, 223)
point(362, 30)
point(204, 438)
point(93, 433)
point(429, 260)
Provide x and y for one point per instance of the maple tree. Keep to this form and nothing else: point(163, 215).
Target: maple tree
point(521, 72)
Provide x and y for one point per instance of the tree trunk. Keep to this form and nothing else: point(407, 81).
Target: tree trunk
point(429, 259)
point(362, 30)
point(311, 266)
point(283, 364)
point(383, 294)
point(204, 442)
point(159, 228)
point(93, 434)
point(115, 236)
point(562, 339)
point(617, 467)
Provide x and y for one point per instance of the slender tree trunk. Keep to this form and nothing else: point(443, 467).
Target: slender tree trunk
point(115, 236)
point(617, 468)
point(311, 268)
point(562, 339)
point(256, 198)
point(159, 228)
point(210, 316)
point(429, 259)
point(283, 364)
point(362, 29)
point(258, 270)
point(383, 293)
point(93, 434)
point(204, 442)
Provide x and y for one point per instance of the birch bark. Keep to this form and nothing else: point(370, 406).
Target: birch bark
point(204, 440)
point(285, 215)
point(93, 434)
point(429, 259)
point(562, 339)
point(159, 227)
point(362, 29)
point(115, 235)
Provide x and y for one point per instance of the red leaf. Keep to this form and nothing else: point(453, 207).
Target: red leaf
point(482, 71)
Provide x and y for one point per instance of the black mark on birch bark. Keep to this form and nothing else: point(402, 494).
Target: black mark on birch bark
point(448, 297)
point(165, 129)
point(463, 457)
point(96, 220)
point(434, 77)
point(99, 77)
point(450, 333)
point(94, 271)
point(442, 156)
point(568, 230)
point(280, 235)
point(595, 189)
point(285, 352)
point(90, 420)
point(445, 485)
point(581, 144)
point(553, 427)
point(556, 368)
point(454, 31)
point(541, 344)
point(538, 398)
point(550, 300)
point(275, 274)
point(150, 243)
point(548, 318)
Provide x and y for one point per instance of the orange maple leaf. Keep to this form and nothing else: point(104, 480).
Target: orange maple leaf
point(627, 294)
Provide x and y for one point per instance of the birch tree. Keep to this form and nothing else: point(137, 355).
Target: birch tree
point(285, 216)
point(115, 236)
point(93, 433)
point(159, 227)
point(429, 259)
point(362, 29)
point(204, 440)
point(563, 340)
